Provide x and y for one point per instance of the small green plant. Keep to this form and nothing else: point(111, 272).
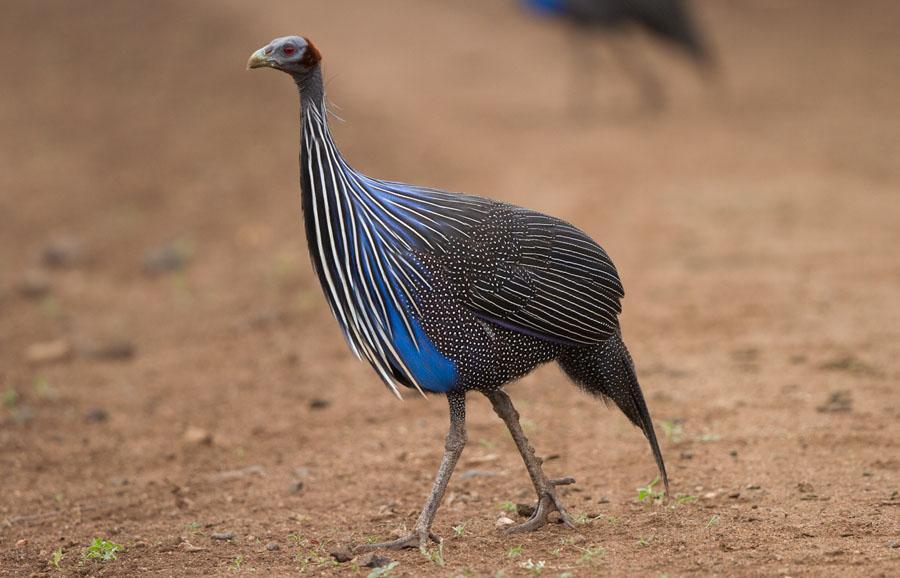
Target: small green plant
point(10, 396)
point(708, 437)
point(683, 499)
point(591, 554)
point(103, 550)
point(647, 493)
point(515, 551)
point(235, 565)
point(713, 520)
point(383, 571)
point(642, 542)
point(436, 554)
point(310, 554)
point(486, 444)
point(672, 430)
point(43, 390)
point(193, 527)
point(56, 557)
point(508, 506)
point(536, 568)
point(459, 530)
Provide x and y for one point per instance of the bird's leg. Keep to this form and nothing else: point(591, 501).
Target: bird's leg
point(545, 487)
point(583, 72)
point(453, 447)
point(631, 57)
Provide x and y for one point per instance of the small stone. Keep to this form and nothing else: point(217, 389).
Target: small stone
point(21, 543)
point(188, 547)
point(894, 544)
point(753, 486)
point(503, 522)
point(838, 402)
point(733, 453)
point(96, 415)
point(63, 252)
point(686, 455)
point(48, 352)
point(33, 285)
point(296, 487)
point(805, 488)
point(222, 535)
point(198, 436)
point(166, 259)
point(734, 495)
point(373, 560)
point(115, 350)
point(273, 546)
point(342, 554)
point(318, 403)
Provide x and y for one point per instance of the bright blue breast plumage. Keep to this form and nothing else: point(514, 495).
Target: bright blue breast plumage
point(363, 235)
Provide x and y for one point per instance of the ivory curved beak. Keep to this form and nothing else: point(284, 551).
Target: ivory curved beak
point(258, 59)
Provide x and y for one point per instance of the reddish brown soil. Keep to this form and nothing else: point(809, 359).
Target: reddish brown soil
point(756, 225)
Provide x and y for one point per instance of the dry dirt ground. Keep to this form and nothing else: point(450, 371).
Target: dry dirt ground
point(754, 222)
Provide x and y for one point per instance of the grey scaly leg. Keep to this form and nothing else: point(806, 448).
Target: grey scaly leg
point(547, 499)
point(453, 447)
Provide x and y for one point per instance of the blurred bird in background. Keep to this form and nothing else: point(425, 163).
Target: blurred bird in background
point(667, 20)
point(446, 293)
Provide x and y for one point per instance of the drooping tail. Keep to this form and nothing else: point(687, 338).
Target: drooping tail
point(607, 370)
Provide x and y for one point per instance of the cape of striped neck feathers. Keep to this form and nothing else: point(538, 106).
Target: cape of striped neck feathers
point(365, 238)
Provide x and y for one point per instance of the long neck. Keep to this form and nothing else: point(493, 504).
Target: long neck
point(311, 88)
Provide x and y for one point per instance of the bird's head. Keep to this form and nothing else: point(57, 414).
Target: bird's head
point(292, 54)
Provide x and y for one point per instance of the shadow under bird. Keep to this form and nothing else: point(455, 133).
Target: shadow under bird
point(447, 293)
point(668, 20)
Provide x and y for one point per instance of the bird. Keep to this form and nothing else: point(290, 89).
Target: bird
point(447, 293)
point(668, 20)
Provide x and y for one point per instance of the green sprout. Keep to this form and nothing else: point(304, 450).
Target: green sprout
point(56, 557)
point(103, 550)
point(647, 492)
point(672, 430)
point(515, 551)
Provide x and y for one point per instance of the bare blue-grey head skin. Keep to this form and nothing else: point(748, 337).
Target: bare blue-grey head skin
point(449, 293)
point(296, 56)
point(288, 54)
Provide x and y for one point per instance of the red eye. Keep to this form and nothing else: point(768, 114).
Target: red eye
point(288, 50)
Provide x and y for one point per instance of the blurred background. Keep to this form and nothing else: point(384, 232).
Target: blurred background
point(169, 370)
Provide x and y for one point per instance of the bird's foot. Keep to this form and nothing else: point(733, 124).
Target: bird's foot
point(547, 503)
point(416, 539)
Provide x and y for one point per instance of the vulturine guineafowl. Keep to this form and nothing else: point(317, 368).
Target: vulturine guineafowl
point(669, 20)
point(447, 293)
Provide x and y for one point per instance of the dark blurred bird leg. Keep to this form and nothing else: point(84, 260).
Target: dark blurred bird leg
point(453, 447)
point(583, 72)
point(634, 63)
point(548, 501)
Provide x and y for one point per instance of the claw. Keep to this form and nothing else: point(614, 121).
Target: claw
point(549, 502)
